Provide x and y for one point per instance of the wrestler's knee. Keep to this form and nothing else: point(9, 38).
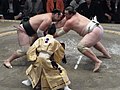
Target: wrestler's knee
point(82, 48)
point(22, 51)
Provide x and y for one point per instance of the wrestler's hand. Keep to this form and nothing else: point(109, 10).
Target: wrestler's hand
point(40, 33)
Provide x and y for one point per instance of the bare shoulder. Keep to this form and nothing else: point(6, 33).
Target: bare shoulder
point(69, 22)
point(68, 25)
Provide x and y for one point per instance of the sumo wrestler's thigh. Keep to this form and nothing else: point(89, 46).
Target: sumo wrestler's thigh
point(92, 38)
point(23, 38)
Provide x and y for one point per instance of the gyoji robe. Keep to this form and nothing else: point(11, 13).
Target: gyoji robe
point(42, 71)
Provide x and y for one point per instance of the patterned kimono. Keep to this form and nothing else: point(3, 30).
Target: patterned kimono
point(41, 70)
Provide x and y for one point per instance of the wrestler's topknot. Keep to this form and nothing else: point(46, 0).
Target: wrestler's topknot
point(71, 10)
point(56, 11)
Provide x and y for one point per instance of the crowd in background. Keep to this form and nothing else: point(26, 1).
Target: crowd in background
point(107, 11)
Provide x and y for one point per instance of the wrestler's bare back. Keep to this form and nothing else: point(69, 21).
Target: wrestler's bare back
point(77, 23)
point(41, 21)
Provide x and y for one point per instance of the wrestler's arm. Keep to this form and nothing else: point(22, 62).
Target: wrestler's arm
point(66, 28)
point(60, 23)
point(43, 27)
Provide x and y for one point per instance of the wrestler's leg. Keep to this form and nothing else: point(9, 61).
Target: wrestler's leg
point(102, 49)
point(33, 39)
point(24, 44)
point(88, 52)
point(23, 38)
point(15, 55)
point(88, 41)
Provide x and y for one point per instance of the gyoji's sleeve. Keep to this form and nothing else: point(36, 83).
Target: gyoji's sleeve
point(59, 53)
point(31, 53)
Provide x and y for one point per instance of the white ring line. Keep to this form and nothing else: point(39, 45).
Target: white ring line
point(78, 62)
point(7, 33)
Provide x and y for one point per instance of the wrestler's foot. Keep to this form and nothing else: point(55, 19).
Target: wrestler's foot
point(97, 66)
point(7, 64)
point(26, 82)
point(107, 56)
point(67, 88)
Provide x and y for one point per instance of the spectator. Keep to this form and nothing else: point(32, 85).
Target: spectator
point(44, 5)
point(91, 8)
point(117, 14)
point(118, 10)
point(55, 4)
point(106, 11)
point(10, 9)
point(67, 3)
point(75, 3)
point(22, 3)
point(88, 9)
point(33, 7)
point(100, 12)
point(112, 9)
point(1, 16)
